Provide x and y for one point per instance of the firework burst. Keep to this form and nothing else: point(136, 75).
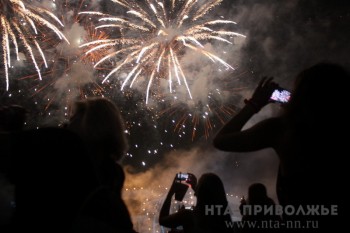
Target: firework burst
point(153, 37)
point(199, 117)
point(212, 109)
point(71, 75)
point(20, 22)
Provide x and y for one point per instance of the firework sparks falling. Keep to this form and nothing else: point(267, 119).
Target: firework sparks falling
point(212, 109)
point(198, 118)
point(153, 38)
point(71, 75)
point(18, 20)
point(201, 116)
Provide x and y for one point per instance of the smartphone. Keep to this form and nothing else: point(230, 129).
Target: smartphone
point(280, 95)
point(182, 176)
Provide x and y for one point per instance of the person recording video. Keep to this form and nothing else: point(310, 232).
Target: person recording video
point(205, 216)
point(307, 137)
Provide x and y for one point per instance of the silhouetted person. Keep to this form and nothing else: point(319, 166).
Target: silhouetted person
point(99, 123)
point(255, 209)
point(12, 119)
point(211, 213)
point(307, 137)
point(52, 179)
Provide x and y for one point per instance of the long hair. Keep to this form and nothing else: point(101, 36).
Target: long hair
point(210, 191)
point(317, 91)
point(99, 122)
point(316, 120)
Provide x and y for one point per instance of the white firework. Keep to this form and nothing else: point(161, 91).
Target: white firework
point(154, 35)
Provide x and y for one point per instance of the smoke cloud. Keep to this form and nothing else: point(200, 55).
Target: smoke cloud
point(144, 192)
point(283, 38)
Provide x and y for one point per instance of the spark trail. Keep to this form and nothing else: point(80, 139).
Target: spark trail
point(20, 22)
point(154, 35)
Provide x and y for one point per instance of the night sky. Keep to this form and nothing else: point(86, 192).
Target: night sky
point(282, 38)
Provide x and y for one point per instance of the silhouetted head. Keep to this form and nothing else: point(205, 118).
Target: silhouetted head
point(256, 193)
point(12, 118)
point(210, 190)
point(99, 122)
point(318, 89)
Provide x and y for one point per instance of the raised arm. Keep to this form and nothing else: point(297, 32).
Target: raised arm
point(231, 138)
point(165, 210)
point(172, 220)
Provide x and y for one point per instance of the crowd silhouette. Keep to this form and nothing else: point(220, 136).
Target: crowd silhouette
point(77, 187)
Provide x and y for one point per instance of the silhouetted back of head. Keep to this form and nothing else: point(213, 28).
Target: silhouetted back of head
point(99, 123)
point(211, 193)
point(317, 118)
point(210, 190)
point(257, 193)
point(12, 118)
point(318, 90)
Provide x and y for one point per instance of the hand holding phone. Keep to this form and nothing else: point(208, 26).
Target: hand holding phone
point(182, 177)
point(262, 93)
point(280, 95)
